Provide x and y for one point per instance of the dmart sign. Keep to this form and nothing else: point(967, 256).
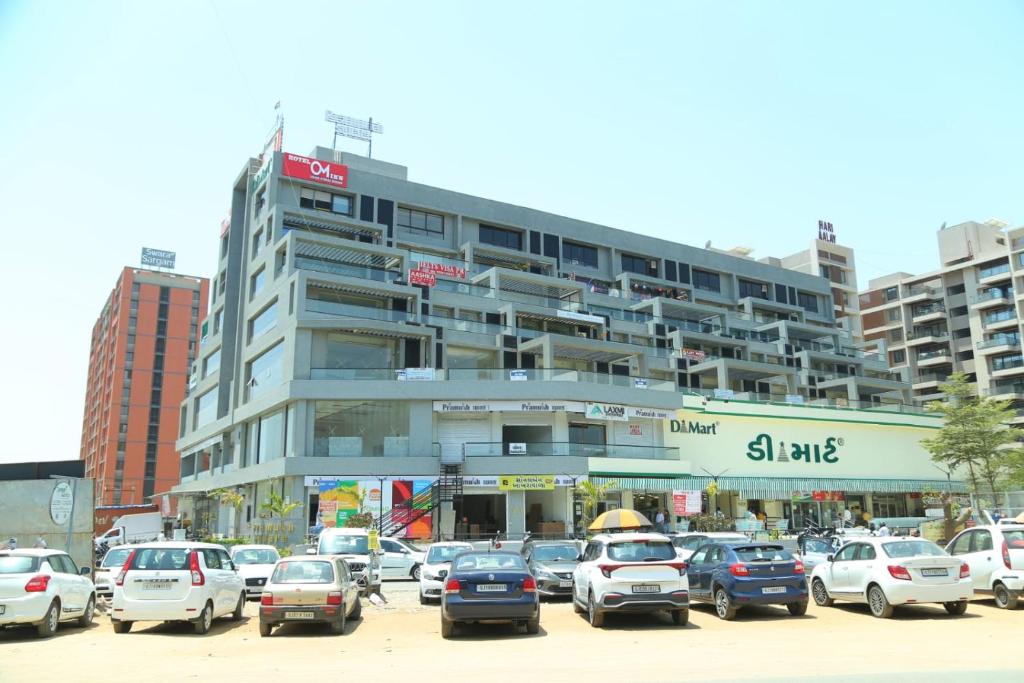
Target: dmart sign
point(792, 445)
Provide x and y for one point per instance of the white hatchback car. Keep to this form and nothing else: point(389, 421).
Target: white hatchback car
point(42, 588)
point(255, 564)
point(995, 554)
point(888, 571)
point(177, 581)
point(630, 572)
point(436, 566)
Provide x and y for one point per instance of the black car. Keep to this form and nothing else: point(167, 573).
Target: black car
point(552, 564)
point(487, 587)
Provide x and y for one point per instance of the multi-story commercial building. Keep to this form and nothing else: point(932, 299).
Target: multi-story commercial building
point(835, 263)
point(142, 347)
point(962, 317)
point(418, 344)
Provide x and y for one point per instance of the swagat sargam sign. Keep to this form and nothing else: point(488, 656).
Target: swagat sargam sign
point(788, 445)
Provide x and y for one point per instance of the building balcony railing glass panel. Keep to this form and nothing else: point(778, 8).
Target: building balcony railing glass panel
point(938, 353)
point(364, 312)
point(389, 447)
point(569, 449)
point(348, 269)
point(1003, 388)
point(996, 293)
point(1000, 340)
point(993, 270)
point(559, 375)
point(460, 325)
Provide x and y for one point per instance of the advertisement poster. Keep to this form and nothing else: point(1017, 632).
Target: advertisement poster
point(339, 497)
point(407, 496)
point(686, 503)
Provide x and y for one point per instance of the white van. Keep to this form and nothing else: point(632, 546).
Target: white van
point(177, 581)
point(354, 546)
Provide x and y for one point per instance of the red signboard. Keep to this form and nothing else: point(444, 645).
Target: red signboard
point(693, 354)
point(422, 277)
point(443, 269)
point(327, 172)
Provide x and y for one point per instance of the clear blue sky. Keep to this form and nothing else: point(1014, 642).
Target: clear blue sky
point(743, 123)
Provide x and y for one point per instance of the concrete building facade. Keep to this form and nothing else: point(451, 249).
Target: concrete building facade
point(142, 347)
point(368, 333)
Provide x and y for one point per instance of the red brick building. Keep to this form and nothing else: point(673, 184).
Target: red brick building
point(143, 344)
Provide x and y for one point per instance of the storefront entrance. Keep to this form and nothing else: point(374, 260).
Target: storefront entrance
point(547, 513)
point(479, 515)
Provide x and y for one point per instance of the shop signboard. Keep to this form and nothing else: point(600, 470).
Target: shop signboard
point(416, 374)
point(639, 383)
point(560, 480)
point(517, 375)
point(451, 271)
point(686, 503)
point(607, 411)
point(517, 449)
point(695, 355)
point(305, 168)
point(421, 278)
point(526, 482)
point(508, 406)
point(340, 497)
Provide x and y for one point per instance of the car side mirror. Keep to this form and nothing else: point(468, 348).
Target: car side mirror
point(831, 558)
point(85, 571)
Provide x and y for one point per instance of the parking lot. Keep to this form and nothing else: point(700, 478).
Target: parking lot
point(402, 638)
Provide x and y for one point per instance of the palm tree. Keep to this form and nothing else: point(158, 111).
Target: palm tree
point(592, 494)
point(235, 499)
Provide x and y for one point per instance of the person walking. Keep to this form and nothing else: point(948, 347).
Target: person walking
point(883, 530)
point(40, 543)
point(659, 521)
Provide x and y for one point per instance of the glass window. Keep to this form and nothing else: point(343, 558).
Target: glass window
point(641, 551)
point(501, 237)
point(360, 351)
point(639, 264)
point(265, 371)
point(343, 544)
point(445, 553)
point(256, 282)
point(271, 437)
point(554, 553)
point(1007, 362)
point(160, 558)
point(757, 290)
point(982, 540)
point(263, 322)
point(587, 434)
point(808, 302)
point(420, 222)
point(892, 293)
point(304, 571)
point(961, 544)
point(341, 204)
point(894, 314)
point(899, 357)
point(489, 561)
point(699, 556)
point(710, 282)
point(206, 408)
point(255, 556)
point(361, 428)
point(865, 552)
point(579, 254)
point(459, 357)
point(912, 549)
point(763, 553)
point(846, 553)
point(211, 363)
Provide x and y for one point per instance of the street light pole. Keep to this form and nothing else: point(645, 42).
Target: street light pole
point(380, 506)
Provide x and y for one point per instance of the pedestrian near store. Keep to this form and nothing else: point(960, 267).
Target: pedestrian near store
point(847, 518)
point(883, 530)
point(12, 543)
point(40, 543)
point(659, 521)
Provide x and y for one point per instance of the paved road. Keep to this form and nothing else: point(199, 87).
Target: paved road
point(402, 639)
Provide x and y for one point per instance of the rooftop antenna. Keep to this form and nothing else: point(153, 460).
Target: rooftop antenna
point(357, 129)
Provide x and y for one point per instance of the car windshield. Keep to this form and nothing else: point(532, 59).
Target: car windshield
point(116, 557)
point(444, 553)
point(763, 553)
point(1014, 539)
point(912, 549)
point(160, 558)
point(554, 553)
point(303, 571)
point(641, 551)
point(817, 545)
point(412, 547)
point(18, 564)
point(344, 545)
point(486, 561)
point(255, 556)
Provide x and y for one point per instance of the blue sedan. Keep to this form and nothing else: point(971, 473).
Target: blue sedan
point(731, 575)
point(487, 587)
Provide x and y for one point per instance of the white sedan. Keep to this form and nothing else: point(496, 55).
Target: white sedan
point(435, 568)
point(889, 571)
point(255, 564)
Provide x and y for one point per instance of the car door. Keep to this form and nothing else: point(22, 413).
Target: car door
point(214, 580)
point(233, 582)
point(861, 568)
point(985, 559)
point(838, 571)
point(350, 590)
point(581, 575)
point(70, 590)
point(396, 562)
point(697, 573)
point(960, 547)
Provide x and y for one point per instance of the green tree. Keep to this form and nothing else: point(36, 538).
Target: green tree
point(592, 494)
point(235, 499)
point(975, 436)
point(275, 506)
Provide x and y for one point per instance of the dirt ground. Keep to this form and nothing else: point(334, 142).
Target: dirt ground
point(402, 640)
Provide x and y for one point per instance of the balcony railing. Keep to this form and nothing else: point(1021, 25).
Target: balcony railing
point(568, 449)
point(492, 375)
point(928, 310)
point(780, 400)
point(932, 332)
point(1003, 388)
point(1007, 363)
point(348, 269)
point(1008, 340)
point(938, 353)
point(993, 270)
point(999, 316)
point(931, 377)
point(996, 293)
point(364, 312)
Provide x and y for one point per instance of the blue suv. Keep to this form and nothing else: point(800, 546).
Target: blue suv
point(731, 575)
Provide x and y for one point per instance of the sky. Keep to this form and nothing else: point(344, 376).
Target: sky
point(743, 123)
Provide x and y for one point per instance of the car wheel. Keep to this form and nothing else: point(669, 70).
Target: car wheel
point(237, 614)
point(1004, 598)
point(121, 626)
point(90, 610)
point(423, 599)
point(878, 603)
point(797, 609)
point(594, 615)
point(265, 629)
point(48, 626)
point(723, 605)
point(415, 573)
point(205, 620)
point(956, 608)
point(357, 610)
point(447, 628)
point(820, 593)
point(533, 625)
point(338, 627)
point(680, 617)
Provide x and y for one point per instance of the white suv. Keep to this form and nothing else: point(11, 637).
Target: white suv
point(630, 572)
point(354, 546)
point(43, 588)
point(177, 581)
point(995, 554)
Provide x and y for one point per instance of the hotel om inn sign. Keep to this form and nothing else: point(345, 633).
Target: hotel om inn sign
point(798, 446)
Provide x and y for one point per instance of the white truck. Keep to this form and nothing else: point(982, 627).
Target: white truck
point(136, 528)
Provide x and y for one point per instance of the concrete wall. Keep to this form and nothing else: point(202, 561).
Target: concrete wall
point(25, 515)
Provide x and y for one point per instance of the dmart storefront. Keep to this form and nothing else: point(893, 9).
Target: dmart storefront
point(790, 465)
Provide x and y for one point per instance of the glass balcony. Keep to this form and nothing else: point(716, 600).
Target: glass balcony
point(993, 270)
point(996, 293)
point(568, 449)
point(364, 312)
point(348, 269)
point(558, 375)
point(937, 353)
point(1000, 340)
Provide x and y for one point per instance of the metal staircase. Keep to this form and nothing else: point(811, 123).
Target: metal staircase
point(447, 489)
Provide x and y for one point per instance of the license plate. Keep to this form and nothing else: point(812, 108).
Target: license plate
point(157, 586)
point(492, 588)
point(298, 615)
point(774, 589)
point(565, 584)
point(935, 571)
point(646, 588)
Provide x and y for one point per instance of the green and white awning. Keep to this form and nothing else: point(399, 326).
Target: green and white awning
point(778, 488)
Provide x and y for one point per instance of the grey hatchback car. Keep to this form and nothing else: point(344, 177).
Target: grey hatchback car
point(552, 564)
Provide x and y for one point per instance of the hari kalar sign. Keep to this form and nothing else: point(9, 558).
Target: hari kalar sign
point(764, 449)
